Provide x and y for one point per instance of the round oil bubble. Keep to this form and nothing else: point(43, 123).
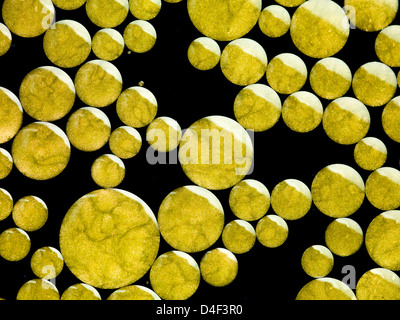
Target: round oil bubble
point(109, 238)
point(107, 13)
point(330, 78)
point(125, 142)
point(175, 275)
point(286, 73)
point(88, 129)
point(47, 93)
point(331, 34)
point(374, 84)
point(370, 153)
point(80, 291)
point(378, 284)
point(239, 236)
point(371, 15)
point(290, 3)
point(213, 165)
point(38, 289)
point(108, 44)
point(137, 107)
point(274, 21)
point(326, 288)
point(173, 1)
point(382, 240)
point(108, 171)
point(164, 134)
point(30, 213)
point(346, 120)
point(133, 292)
point(6, 163)
point(224, 20)
point(28, 19)
point(145, 9)
point(98, 83)
point(291, 199)
point(272, 231)
point(47, 263)
point(140, 36)
point(302, 111)
point(68, 4)
point(387, 46)
point(257, 107)
point(344, 237)
point(6, 204)
point(338, 190)
point(191, 219)
point(5, 39)
point(382, 188)
point(243, 61)
point(317, 261)
point(249, 200)
point(218, 267)
point(391, 119)
point(11, 115)
point(204, 53)
point(15, 244)
point(41, 150)
point(67, 44)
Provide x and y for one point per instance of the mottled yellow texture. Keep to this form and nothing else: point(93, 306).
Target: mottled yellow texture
point(80, 291)
point(372, 286)
point(145, 9)
point(290, 3)
point(11, 115)
point(124, 144)
point(391, 119)
point(237, 238)
point(30, 213)
point(270, 233)
point(105, 47)
point(201, 57)
point(68, 4)
point(343, 240)
point(368, 157)
point(137, 38)
point(6, 204)
point(6, 163)
point(383, 191)
point(47, 263)
point(38, 289)
point(315, 263)
point(107, 13)
point(133, 292)
point(5, 40)
point(163, 134)
point(273, 26)
point(108, 172)
point(388, 49)
point(321, 289)
point(14, 244)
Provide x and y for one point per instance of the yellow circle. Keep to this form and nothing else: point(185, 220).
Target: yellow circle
point(29, 18)
point(344, 237)
point(164, 134)
point(137, 107)
point(391, 119)
point(191, 219)
point(272, 231)
point(134, 292)
point(6, 204)
point(80, 291)
point(175, 275)
point(290, 3)
point(98, 83)
point(249, 200)
point(370, 153)
point(291, 199)
point(108, 44)
point(371, 15)
point(145, 9)
point(243, 61)
point(387, 46)
point(302, 111)
point(5, 39)
point(209, 163)
point(125, 142)
point(41, 150)
point(257, 107)
point(6, 163)
point(173, 1)
point(338, 191)
point(326, 289)
point(47, 263)
point(109, 238)
point(378, 284)
point(47, 93)
point(274, 21)
point(14, 244)
point(67, 44)
point(330, 78)
point(317, 261)
point(331, 34)
point(346, 120)
point(108, 171)
point(30, 213)
point(239, 236)
point(374, 84)
point(38, 289)
point(382, 240)
point(286, 73)
point(69, 4)
point(382, 188)
point(140, 36)
point(107, 13)
point(11, 114)
point(219, 267)
point(204, 53)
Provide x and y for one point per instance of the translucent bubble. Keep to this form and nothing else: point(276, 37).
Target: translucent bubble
point(125, 142)
point(15, 244)
point(108, 44)
point(107, 13)
point(38, 289)
point(378, 284)
point(5, 39)
point(140, 36)
point(317, 261)
point(11, 114)
point(47, 263)
point(108, 171)
point(274, 21)
point(326, 289)
point(145, 9)
point(387, 46)
point(272, 231)
point(6, 204)
point(30, 213)
point(133, 292)
point(239, 236)
point(81, 291)
point(6, 163)
point(370, 153)
point(164, 134)
point(391, 119)
point(204, 53)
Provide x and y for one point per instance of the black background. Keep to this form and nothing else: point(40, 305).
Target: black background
point(186, 95)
